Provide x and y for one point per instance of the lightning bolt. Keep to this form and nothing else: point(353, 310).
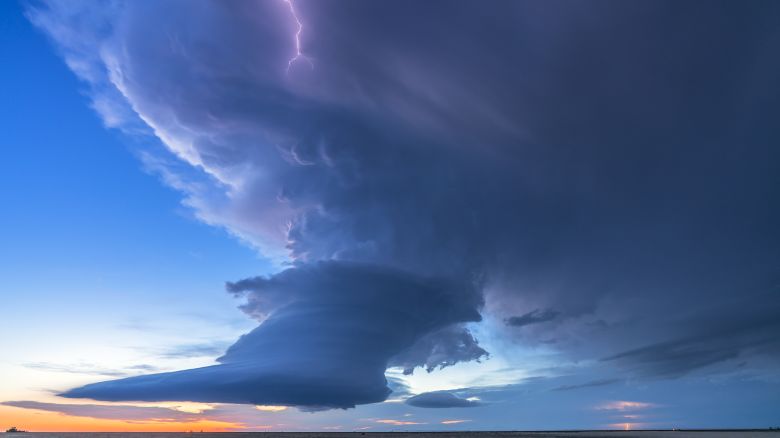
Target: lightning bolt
point(298, 53)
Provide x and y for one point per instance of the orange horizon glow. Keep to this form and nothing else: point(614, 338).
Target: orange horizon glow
point(628, 426)
point(42, 421)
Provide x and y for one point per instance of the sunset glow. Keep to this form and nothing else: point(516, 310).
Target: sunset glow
point(40, 421)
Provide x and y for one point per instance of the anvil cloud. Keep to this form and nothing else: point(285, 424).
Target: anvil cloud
point(602, 176)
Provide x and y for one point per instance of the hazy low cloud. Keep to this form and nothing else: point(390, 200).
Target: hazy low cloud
point(623, 405)
point(110, 412)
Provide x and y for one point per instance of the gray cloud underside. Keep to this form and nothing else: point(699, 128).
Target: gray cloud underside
point(725, 339)
point(617, 163)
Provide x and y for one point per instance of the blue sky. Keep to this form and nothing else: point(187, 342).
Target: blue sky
point(95, 248)
point(568, 223)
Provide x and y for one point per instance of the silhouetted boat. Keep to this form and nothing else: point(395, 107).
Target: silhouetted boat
point(14, 430)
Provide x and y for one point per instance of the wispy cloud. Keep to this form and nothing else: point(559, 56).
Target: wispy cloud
point(590, 384)
point(111, 412)
point(270, 408)
point(207, 349)
point(91, 369)
point(398, 422)
point(533, 317)
point(623, 405)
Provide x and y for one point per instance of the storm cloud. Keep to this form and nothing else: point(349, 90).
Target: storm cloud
point(609, 160)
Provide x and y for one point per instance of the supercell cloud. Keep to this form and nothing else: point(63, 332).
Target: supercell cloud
point(596, 173)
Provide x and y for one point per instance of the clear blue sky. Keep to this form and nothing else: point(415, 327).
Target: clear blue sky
point(92, 245)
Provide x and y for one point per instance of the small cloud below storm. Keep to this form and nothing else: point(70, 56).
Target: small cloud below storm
point(441, 399)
